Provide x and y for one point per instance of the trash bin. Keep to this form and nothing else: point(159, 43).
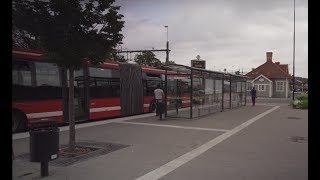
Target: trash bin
point(44, 142)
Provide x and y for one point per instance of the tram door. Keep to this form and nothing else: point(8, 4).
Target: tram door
point(81, 107)
point(131, 91)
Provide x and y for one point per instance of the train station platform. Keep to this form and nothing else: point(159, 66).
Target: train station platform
point(266, 141)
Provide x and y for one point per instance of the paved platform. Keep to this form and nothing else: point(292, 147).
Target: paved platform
point(243, 143)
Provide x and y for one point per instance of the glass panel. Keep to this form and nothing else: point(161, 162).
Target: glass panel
point(48, 84)
point(178, 96)
point(22, 88)
point(80, 96)
point(47, 74)
point(45, 86)
point(104, 83)
point(21, 73)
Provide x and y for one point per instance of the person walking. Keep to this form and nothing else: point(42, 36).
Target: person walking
point(159, 97)
point(253, 96)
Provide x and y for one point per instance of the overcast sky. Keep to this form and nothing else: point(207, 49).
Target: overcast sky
point(231, 34)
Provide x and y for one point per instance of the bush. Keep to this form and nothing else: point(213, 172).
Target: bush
point(302, 96)
point(300, 104)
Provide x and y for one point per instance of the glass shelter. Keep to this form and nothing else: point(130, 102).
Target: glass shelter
point(194, 92)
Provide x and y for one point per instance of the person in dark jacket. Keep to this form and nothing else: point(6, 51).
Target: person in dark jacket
point(253, 96)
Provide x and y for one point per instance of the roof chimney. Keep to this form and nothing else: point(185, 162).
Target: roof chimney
point(269, 56)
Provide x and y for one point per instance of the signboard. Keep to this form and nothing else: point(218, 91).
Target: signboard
point(198, 64)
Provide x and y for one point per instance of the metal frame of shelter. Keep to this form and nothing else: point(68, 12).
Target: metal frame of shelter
point(193, 92)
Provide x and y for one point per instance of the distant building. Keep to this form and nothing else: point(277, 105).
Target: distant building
point(299, 86)
point(271, 79)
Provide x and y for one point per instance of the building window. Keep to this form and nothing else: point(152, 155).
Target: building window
point(280, 86)
point(261, 87)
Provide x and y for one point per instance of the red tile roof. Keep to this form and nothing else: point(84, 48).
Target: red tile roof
point(284, 67)
point(270, 70)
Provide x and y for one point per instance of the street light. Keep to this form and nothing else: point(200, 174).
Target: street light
point(294, 36)
point(166, 77)
point(167, 32)
point(167, 57)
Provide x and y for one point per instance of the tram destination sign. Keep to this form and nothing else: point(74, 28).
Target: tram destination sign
point(198, 64)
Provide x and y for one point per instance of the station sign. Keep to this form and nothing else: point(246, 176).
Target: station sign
point(198, 64)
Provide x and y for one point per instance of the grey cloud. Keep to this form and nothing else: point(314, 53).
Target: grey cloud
point(225, 33)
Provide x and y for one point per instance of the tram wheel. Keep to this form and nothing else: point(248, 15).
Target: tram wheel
point(18, 121)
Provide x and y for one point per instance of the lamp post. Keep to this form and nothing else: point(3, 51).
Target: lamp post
point(167, 57)
point(294, 34)
point(166, 76)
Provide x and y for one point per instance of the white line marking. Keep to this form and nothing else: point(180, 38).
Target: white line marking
point(101, 109)
point(59, 113)
point(89, 124)
point(27, 53)
point(44, 114)
point(171, 126)
point(174, 164)
point(271, 104)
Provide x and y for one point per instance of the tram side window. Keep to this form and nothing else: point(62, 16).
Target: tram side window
point(150, 83)
point(21, 73)
point(22, 88)
point(104, 83)
point(150, 86)
point(48, 83)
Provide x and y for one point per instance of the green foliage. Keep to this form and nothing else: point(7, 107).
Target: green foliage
point(70, 32)
point(21, 38)
point(301, 102)
point(172, 62)
point(302, 96)
point(147, 58)
point(119, 58)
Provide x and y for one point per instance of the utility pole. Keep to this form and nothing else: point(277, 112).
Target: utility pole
point(166, 76)
point(294, 36)
point(167, 57)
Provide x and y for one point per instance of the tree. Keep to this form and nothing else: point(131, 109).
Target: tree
point(23, 39)
point(71, 33)
point(147, 58)
point(171, 62)
point(119, 58)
